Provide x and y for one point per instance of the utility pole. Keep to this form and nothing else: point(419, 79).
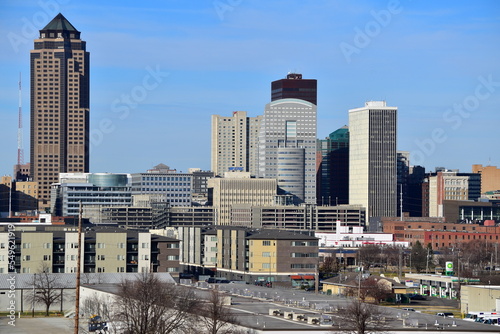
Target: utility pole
point(316, 278)
point(427, 263)
point(33, 301)
point(359, 280)
point(77, 299)
point(400, 275)
point(10, 197)
point(401, 201)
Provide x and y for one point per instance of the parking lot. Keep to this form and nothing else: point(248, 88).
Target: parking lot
point(252, 304)
point(37, 325)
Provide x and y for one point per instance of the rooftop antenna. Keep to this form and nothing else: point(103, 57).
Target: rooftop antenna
point(20, 152)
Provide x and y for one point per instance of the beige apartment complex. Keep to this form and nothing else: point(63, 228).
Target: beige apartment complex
point(59, 105)
point(235, 143)
point(104, 250)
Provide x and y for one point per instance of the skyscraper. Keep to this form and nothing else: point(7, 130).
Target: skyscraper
point(372, 158)
point(294, 87)
point(333, 168)
point(59, 105)
point(287, 147)
point(235, 143)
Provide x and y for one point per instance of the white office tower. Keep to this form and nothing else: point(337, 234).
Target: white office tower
point(287, 147)
point(372, 159)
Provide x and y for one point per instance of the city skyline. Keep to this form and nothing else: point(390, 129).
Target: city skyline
point(435, 62)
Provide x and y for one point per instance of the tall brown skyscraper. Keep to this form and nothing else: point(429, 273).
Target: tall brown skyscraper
point(59, 105)
point(294, 87)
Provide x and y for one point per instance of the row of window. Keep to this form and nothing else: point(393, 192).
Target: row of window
point(166, 178)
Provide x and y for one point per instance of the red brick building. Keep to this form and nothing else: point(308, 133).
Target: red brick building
point(437, 232)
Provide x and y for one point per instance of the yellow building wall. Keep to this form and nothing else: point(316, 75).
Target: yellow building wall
point(109, 256)
point(258, 260)
point(36, 252)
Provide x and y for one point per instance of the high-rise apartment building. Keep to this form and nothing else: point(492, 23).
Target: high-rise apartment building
point(294, 87)
point(235, 143)
point(59, 105)
point(287, 147)
point(372, 158)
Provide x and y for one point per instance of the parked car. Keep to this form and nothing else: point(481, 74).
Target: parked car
point(417, 297)
point(445, 314)
point(217, 280)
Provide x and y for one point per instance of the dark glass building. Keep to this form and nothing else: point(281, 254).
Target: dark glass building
point(294, 87)
point(332, 185)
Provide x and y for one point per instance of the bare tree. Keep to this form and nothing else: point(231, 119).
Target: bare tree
point(148, 306)
point(477, 254)
point(378, 290)
point(329, 266)
point(418, 256)
point(47, 288)
point(391, 255)
point(369, 255)
point(216, 315)
point(361, 318)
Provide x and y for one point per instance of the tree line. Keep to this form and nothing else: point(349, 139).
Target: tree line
point(469, 258)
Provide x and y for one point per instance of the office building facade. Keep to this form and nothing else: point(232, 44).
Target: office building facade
point(239, 188)
point(332, 185)
point(294, 87)
point(89, 189)
point(303, 217)
point(59, 105)
point(175, 187)
point(372, 158)
point(490, 177)
point(452, 186)
point(287, 138)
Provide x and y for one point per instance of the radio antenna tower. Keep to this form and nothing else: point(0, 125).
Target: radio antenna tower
point(20, 153)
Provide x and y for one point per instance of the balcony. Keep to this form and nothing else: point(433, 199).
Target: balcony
point(132, 260)
point(89, 248)
point(58, 250)
point(132, 249)
point(58, 262)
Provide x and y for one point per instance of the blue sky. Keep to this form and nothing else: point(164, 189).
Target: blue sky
point(437, 61)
